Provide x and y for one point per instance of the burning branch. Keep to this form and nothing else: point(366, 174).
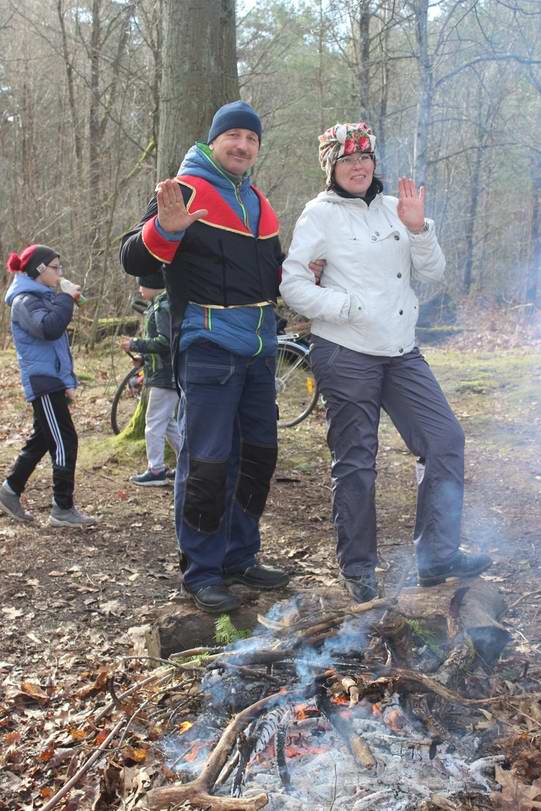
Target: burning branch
point(359, 749)
point(198, 791)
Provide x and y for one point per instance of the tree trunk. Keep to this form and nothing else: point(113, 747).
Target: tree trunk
point(199, 74)
point(425, 92)
point(68, 64)
point(365, 106)
point(471, 218)
point(534, 271)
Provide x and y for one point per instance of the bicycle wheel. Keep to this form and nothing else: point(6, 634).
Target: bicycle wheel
point(126, 398)
point(296, 387)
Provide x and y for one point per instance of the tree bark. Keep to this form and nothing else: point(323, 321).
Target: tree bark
point(199, 74)
point(425, 92)
point(534, 271)
point(472, 218)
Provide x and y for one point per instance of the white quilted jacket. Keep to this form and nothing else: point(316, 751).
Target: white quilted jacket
point(365, 301)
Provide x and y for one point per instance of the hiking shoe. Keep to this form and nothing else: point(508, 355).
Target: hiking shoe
point(170, 474)
point(258, 576)
point(215, 599)
point(70, 518)
point(363, 588)
point(461, 565)
point(10, 503)
point(150, 479)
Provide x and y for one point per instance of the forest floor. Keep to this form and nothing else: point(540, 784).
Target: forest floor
point(73, 602)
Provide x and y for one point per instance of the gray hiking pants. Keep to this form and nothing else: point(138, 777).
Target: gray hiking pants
point(355, 387)
point(161, 425)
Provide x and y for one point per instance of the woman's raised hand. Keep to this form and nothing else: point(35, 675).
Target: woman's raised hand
point(172, 214)
point(411, 204)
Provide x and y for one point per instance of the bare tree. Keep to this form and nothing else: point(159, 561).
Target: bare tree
point(199, 73)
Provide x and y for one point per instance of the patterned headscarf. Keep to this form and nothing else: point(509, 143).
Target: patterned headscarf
point(344, 139)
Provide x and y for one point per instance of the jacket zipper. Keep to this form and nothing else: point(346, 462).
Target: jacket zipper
point(237, 186)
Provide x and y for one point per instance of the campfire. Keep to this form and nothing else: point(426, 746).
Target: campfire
point(375, 706)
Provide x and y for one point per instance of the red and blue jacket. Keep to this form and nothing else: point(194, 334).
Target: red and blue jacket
point(222, 274)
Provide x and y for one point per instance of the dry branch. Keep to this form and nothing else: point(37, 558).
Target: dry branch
point(197, 792)
point(84, 768)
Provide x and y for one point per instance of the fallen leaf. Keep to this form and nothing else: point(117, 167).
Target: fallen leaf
point(136, 754)
point(34, 691)
point(13, 613)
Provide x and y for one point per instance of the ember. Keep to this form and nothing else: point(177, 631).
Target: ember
point(347, 719)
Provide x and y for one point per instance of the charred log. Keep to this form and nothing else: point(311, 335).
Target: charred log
point(359, 749)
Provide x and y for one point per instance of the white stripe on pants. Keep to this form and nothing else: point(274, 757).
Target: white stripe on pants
point(50, 416)
point(161, 424)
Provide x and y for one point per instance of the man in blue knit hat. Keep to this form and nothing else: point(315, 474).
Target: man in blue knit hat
point(216, 237)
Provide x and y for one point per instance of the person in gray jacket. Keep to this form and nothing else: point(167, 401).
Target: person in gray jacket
point(364, 311)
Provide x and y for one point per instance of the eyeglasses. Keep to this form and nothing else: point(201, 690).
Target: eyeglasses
point(58, 268)
point(356, 157)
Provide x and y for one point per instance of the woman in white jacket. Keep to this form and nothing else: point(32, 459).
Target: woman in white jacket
point(364, 311)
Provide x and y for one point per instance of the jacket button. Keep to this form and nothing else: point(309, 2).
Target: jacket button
point(374, 238)
point(376, 233)
point(401, 312)
point(401, 350)
point(398, 275)
point(397, 237)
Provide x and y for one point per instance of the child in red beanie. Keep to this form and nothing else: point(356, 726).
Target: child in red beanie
point(39, 317)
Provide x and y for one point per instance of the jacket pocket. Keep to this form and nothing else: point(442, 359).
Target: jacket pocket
point(323, 353)
point(356, 314)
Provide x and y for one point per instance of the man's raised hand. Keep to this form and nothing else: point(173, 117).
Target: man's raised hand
point(172, 214)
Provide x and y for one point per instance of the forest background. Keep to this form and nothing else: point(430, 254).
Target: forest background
point(452, 90)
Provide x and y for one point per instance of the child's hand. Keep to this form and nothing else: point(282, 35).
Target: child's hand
point(73, 290)
point(125, 344)
point(70, 396)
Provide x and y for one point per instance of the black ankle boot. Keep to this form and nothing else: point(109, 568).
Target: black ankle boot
point(363, 588)
point(215, 599)
point(259, 577)
point(461, 565)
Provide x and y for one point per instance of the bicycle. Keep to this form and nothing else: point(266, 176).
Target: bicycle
point(296, 387)
point(127, 395)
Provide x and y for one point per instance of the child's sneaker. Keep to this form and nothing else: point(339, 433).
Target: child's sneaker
point(70, 517)
point(10, 503)
point(170, 474)
point(150, 479)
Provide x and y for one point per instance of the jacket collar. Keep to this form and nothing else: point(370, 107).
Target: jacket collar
point(24, 284)
point(357, 202)
point(198, 162)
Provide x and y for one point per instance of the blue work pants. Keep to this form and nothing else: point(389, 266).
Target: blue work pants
point(227, 423)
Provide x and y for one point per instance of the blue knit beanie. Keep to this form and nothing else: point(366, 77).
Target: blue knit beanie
point(235, 115)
